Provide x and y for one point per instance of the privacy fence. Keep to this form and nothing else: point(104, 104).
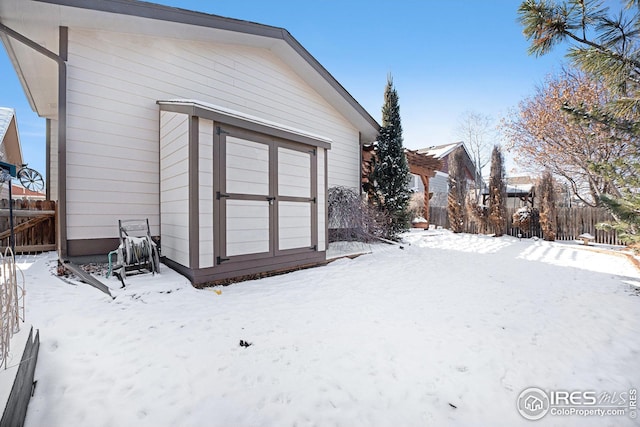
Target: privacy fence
point(572, 222)
point(34, 225)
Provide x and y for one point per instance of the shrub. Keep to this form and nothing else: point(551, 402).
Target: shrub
point(352, 219)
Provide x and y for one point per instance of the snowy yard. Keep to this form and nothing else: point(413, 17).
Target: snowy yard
point(447, 331)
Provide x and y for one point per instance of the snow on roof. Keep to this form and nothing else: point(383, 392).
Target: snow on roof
point(247, 117)
point(6, 114)
point(439, 151)
point(519, 188)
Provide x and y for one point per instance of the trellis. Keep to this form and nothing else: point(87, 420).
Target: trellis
point(12, 298)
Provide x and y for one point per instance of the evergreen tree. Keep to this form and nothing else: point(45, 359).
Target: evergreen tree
point(606, 47)
point(548, 211)
point(457, 191)
point(391, 170)
point(497, 193)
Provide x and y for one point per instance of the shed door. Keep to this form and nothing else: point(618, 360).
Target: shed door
point(266, 198)
point(296, 201)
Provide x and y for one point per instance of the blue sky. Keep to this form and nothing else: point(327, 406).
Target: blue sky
point(446, 57)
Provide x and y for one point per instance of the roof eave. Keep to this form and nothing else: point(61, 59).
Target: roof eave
point(367, 125)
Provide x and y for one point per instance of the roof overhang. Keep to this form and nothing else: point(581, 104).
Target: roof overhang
point(9, 137)
point(237, 118)
point(39, 20)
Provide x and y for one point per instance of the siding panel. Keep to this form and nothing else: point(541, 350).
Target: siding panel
point(114, 80)
point(321, 200)
point(247, 227)
point(205, 191)
point(247, 167)
point(294, 219)
point(294, 173)
point(174, 186)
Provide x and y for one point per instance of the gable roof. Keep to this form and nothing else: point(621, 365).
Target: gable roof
point(39, 20)
point(442, 151)
point(10, 151)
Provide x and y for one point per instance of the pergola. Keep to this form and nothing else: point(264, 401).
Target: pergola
point(425, 166)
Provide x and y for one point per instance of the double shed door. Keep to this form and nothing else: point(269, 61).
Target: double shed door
point(266, 196)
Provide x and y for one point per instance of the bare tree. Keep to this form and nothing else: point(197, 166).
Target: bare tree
point(545, 136)
point(477, 131)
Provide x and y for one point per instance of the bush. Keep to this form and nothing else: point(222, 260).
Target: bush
point(416, 205)
point(526, 219)
point(352, 219)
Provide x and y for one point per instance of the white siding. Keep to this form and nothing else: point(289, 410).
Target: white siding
point(114, 81)
point(174, 186)
point(439, 186)
point(53, 161)
point(321, 201)
point(205, 190)
point(247, 227)
point(415, 184)
point(294, 173)
point(247, 167)
point(294, 219)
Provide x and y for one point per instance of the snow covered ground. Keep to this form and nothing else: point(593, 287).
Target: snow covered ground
point(447, 331)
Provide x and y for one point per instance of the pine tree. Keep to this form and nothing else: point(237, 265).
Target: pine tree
point(548, 211)
point(497, 193)
point(391, 170)
point(605, 46)
point(457, 191)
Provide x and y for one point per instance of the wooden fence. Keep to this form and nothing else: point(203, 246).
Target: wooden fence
point(572, 222)
point(34, 225)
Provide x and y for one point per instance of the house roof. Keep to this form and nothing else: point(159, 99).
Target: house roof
point(39, 20)
point(441, 151)
point(6, 115)
point(9, 137)
point(19, 191)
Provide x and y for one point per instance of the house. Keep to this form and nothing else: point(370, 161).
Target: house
point(10, 149)
point(521, 191)
point(439, 185)
point(20, 192)
point(225, 134)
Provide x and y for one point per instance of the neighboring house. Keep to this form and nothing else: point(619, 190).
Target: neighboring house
point(224, 133)
point(439, 185)
point(10, 149)
point(19, 192)
point(520, 191)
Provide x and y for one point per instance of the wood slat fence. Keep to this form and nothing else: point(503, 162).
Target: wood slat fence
point(34, 223)
point(572, 222)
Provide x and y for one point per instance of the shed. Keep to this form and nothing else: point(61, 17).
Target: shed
point(225, 134)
